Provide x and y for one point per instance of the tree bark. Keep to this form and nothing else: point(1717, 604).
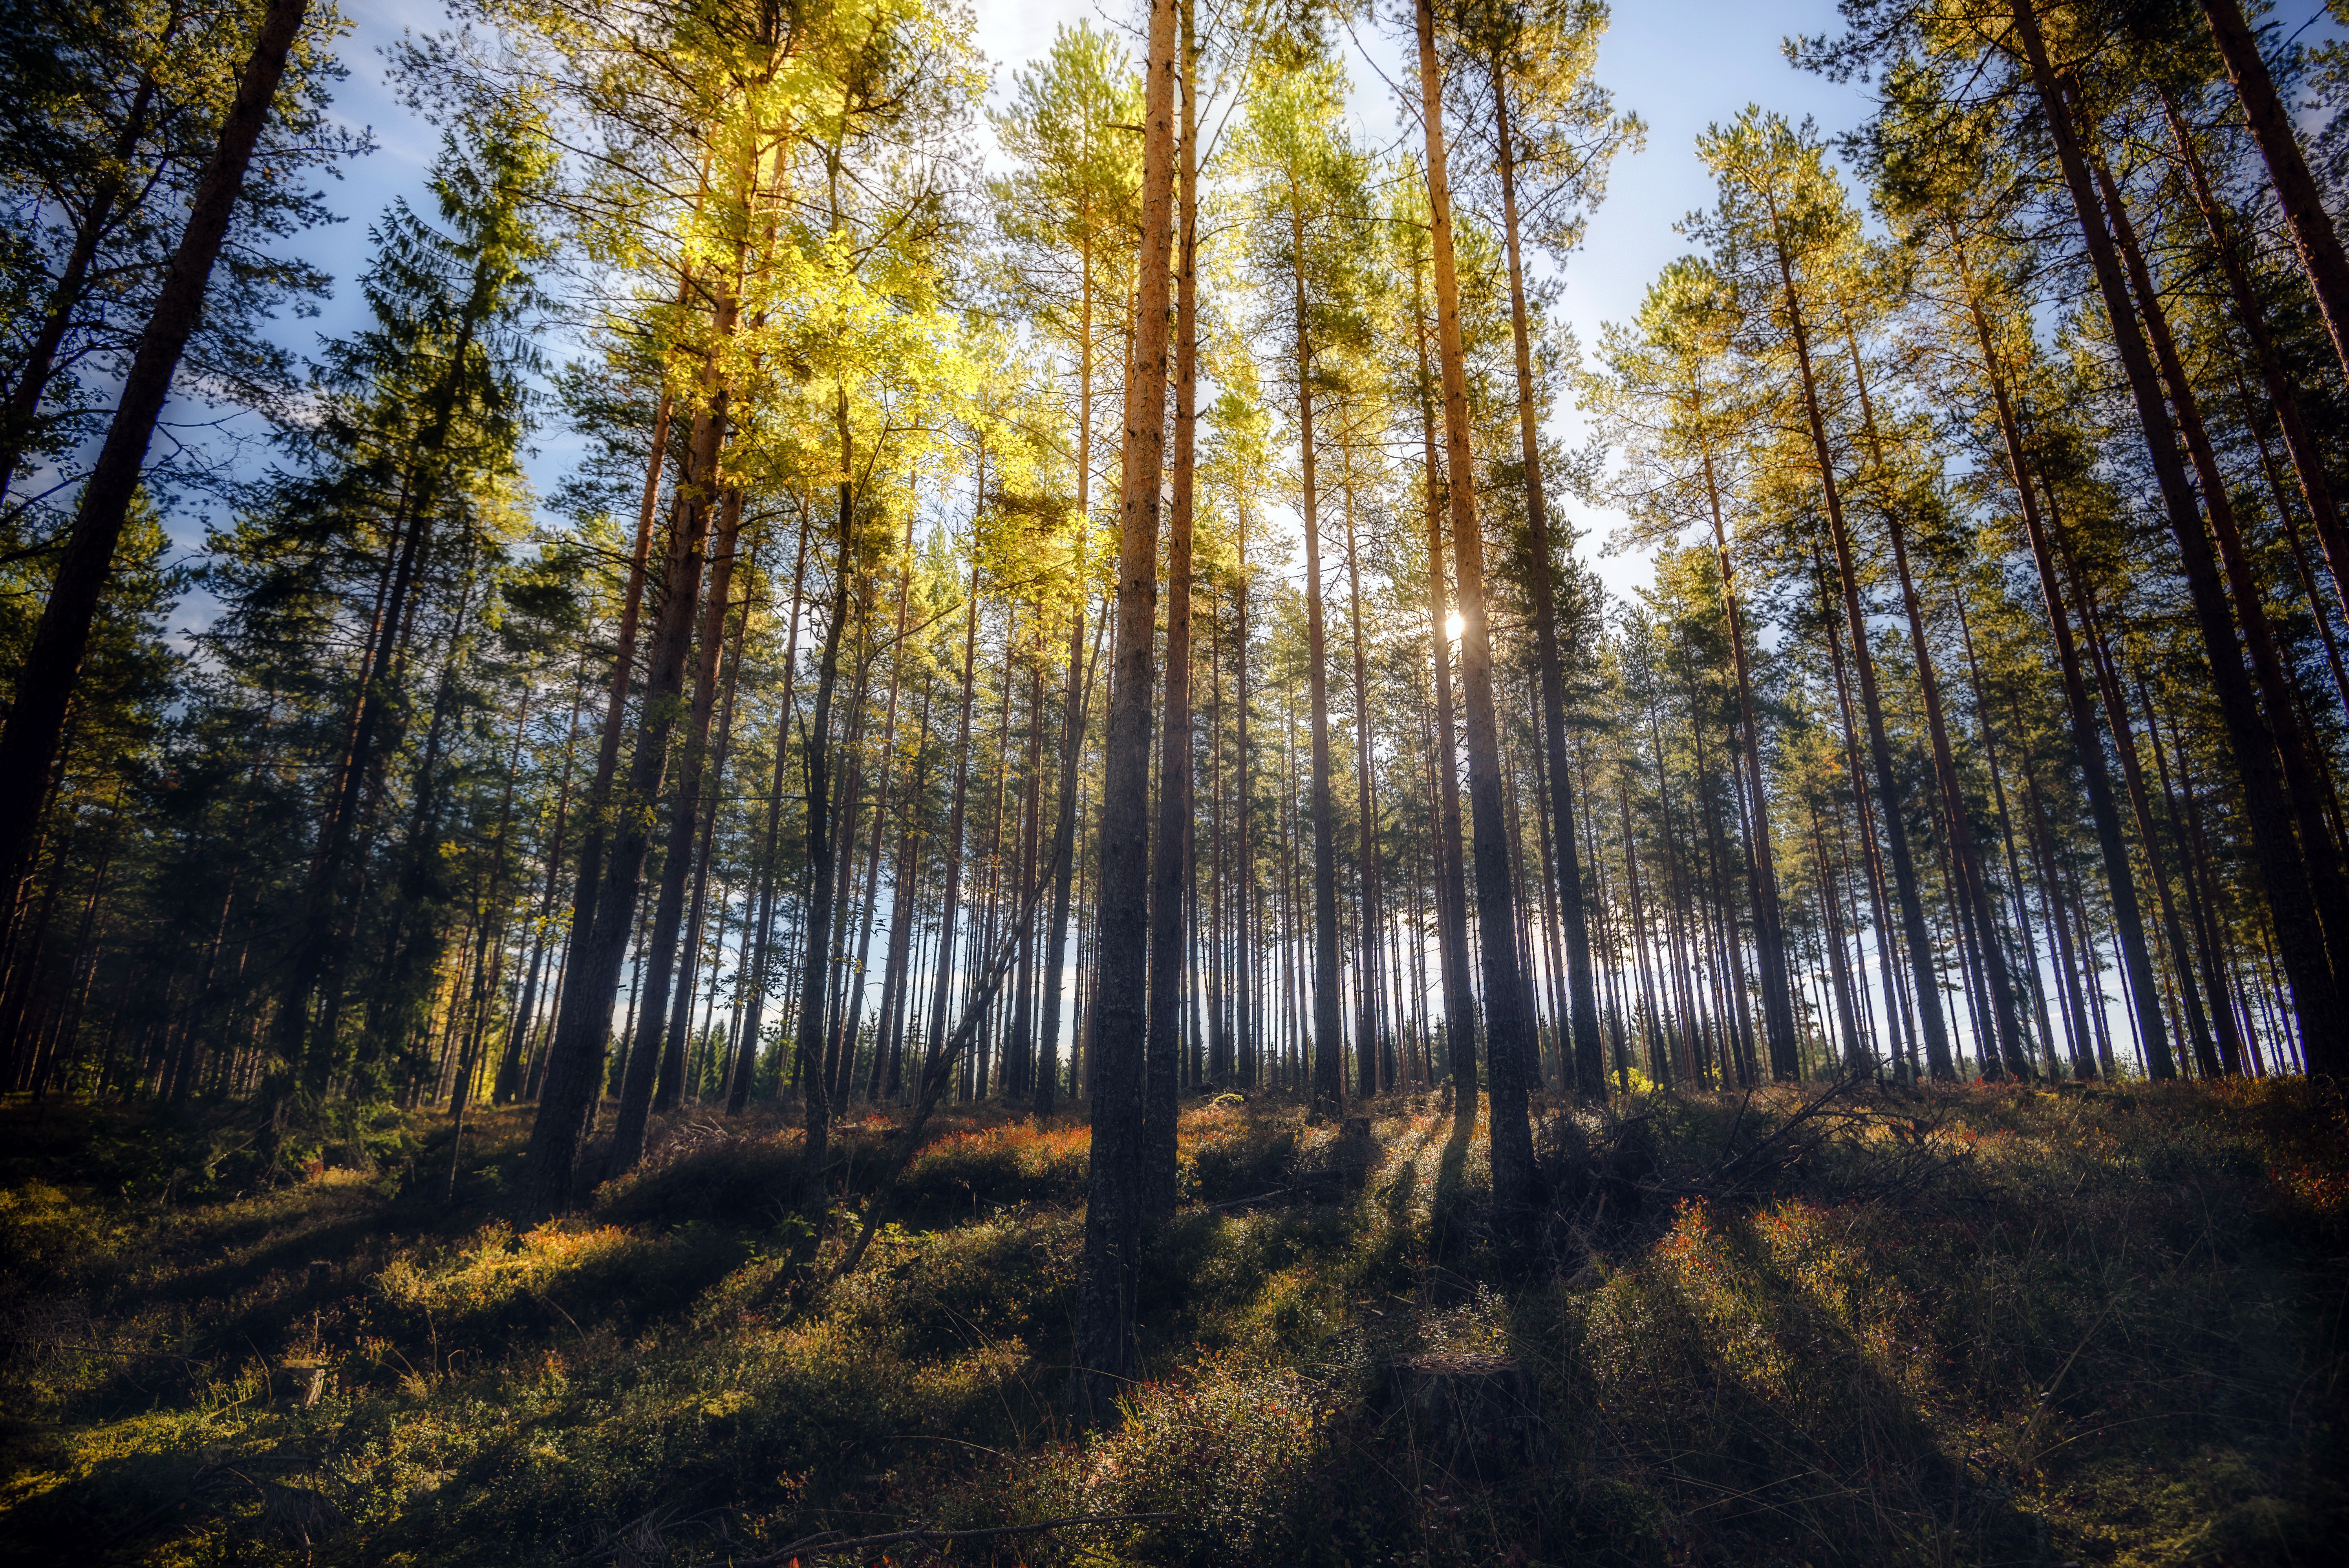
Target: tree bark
point(1104, 1353)
point(2312, 234)
point(1451, 885)
point(615, 850)
point(1513, 1151)
point(2315, 987)
point(1589, 1054)
point(30, 740)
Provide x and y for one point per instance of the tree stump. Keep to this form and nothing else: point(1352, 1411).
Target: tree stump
point(1356, 1154)
point(1476, 1416)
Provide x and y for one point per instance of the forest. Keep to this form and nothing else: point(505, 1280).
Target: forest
point(922, 808)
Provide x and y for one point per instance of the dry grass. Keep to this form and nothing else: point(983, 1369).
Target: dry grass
point(1971, 1326)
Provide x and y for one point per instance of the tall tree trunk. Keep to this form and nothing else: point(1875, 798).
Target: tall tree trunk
point(808, 1044)
point(1451, 885)
point(1769, 916)
point(1075, 704)
point(654, 1041)
point(672, 1083)
point(31, 738)
point(2312, 234)
point(1329, 1023)
point(1589, 1054)
point(2120, 884)
point(746, 1049)
point(942, 960)
point(2314, 988)
point(1366, 1030)
point(1104, 1351)
point(1171, 872)
point(2304, 777)
point(39, 364)
point(509, 1066)
point(615, 851)
point(1904, 866)
point(1504, 1028)
point(1965, 854)
point(2307, 457)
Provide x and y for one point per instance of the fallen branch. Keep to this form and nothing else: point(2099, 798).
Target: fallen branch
point(1783, 1146)
point(939, 1070)
point(819, 1545)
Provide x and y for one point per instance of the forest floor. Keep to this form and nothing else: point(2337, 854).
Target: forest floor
point(1967, 1326)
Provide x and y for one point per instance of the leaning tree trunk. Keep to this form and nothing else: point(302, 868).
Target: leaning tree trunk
point(2315, 991)
point(29, 741)
point(2312, 234)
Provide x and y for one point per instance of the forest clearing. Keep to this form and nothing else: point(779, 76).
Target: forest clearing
point(1286, 780)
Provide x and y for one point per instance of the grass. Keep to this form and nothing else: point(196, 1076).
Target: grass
point(1974, 1326)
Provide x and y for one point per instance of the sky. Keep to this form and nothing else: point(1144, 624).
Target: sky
point(1680, 66)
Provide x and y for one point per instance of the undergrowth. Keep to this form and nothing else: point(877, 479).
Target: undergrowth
point(1967, 1326)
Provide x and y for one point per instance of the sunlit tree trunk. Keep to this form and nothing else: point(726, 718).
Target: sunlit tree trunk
point(1512, 1134)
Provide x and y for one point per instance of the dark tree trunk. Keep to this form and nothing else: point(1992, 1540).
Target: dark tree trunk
point(1103, 1354)
point(1589, 1054)
point(2285, 878)
point(30, 741)
point(1505, 1024)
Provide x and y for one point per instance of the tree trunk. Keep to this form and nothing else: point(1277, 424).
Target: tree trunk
point(2312, 234)
point(656, 1043)
point(1589, 1054)
point(615, 850)
point(808, 1044)
point(2314, 988)
point(1973, 885)
point(30, 740)
point(1513, 1153)
point(1171, 873)
point(1104, 1351)
point(1904, 865)
point(1328, 1025)
point(2120, 884)
point(1451, 885)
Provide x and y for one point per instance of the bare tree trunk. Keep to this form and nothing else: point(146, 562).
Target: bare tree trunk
point(1104, 1351)
point(2315, 986)
point(808, 1044)
point(1904, 865)
point(1171, 873)
point(1589, 1069)
point(647, 1064)
point(1513, 1148)
point(32, 736)
point(2312, 234)
point(1451, 886)
point(616, 848)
